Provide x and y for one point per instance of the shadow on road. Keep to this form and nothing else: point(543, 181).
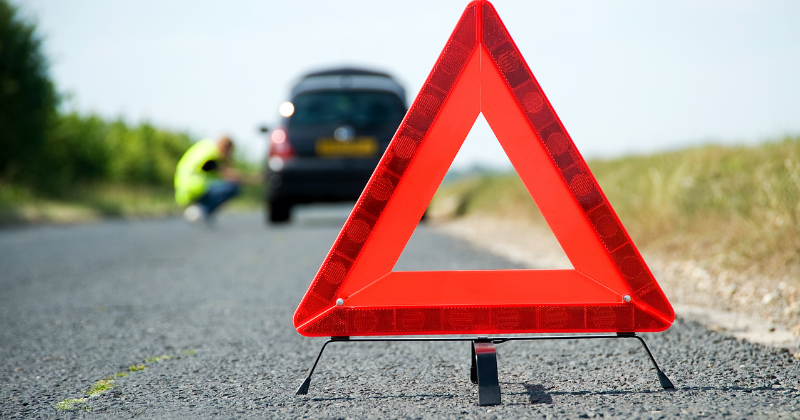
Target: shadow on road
point(537, 394)
point(384, 397)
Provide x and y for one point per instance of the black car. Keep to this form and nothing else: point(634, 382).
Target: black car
point(336, 126)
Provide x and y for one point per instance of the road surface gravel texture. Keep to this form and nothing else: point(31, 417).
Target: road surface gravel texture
point(79, 304)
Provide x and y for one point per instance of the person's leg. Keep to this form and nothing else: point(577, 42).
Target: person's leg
point(218, 193)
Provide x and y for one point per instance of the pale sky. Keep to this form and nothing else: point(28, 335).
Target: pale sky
point(625, 76)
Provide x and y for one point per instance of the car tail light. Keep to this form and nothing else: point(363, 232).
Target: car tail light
point(280, 149)
point(279, 145)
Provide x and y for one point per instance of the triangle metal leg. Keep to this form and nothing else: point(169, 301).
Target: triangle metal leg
point(303, 390)
point(483, 368)
point(663, 380)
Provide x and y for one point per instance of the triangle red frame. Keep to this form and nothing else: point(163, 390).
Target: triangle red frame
point(356, 292)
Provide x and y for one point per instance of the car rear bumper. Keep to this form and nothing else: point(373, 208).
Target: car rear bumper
point(320, 180)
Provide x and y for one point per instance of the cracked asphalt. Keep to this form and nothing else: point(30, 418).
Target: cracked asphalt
point(80, 304)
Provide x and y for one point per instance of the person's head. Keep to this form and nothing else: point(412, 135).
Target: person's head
point(225, 145)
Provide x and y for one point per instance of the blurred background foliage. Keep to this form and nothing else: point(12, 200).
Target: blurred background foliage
point(89, 148)
point(51, 158)
point(27, 95)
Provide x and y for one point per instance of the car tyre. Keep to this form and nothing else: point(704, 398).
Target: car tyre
point(280, 211)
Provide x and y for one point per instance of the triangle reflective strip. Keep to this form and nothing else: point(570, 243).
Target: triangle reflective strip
point(481, 70)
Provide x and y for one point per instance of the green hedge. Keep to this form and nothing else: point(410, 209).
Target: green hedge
point(88, 148)
point(27, 95)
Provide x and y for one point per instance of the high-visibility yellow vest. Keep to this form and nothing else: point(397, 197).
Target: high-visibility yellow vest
point(191, 182)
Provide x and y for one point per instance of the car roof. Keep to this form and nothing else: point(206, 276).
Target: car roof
point(340, 71)
point(347, 78)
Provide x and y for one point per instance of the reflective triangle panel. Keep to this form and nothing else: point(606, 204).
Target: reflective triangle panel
point(482, 70)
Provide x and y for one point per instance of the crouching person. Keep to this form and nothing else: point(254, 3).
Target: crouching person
point(204, 178)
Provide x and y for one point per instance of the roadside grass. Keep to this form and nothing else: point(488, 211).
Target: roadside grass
point(19, 204)
point(86, 202)
point(101, 386)
point(736, 206)
point(104, 385)
point(158, 358)
point(69, 404)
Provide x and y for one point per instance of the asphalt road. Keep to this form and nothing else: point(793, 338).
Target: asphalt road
point(79, 304)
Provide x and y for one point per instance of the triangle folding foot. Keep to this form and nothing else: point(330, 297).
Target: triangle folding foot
point(485, 362)
point(473, 370)
point(303, 390)
point(664, 381)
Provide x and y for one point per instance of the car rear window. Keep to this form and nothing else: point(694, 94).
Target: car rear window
point(357, 108)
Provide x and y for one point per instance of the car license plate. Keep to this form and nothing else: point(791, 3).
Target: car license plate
point(357, 147)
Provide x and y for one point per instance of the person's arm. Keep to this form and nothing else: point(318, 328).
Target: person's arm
point(226, 171)
point(210, 165)
point(230, 174)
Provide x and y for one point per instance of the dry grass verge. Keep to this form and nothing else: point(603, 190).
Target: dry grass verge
point(718, 225)
point(92, 202)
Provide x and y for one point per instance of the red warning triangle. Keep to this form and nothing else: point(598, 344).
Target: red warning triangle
point(356, 292)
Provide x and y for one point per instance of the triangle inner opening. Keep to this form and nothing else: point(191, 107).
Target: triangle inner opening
point(482, 217)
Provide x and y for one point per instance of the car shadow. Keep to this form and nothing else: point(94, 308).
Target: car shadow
point(321, 215)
